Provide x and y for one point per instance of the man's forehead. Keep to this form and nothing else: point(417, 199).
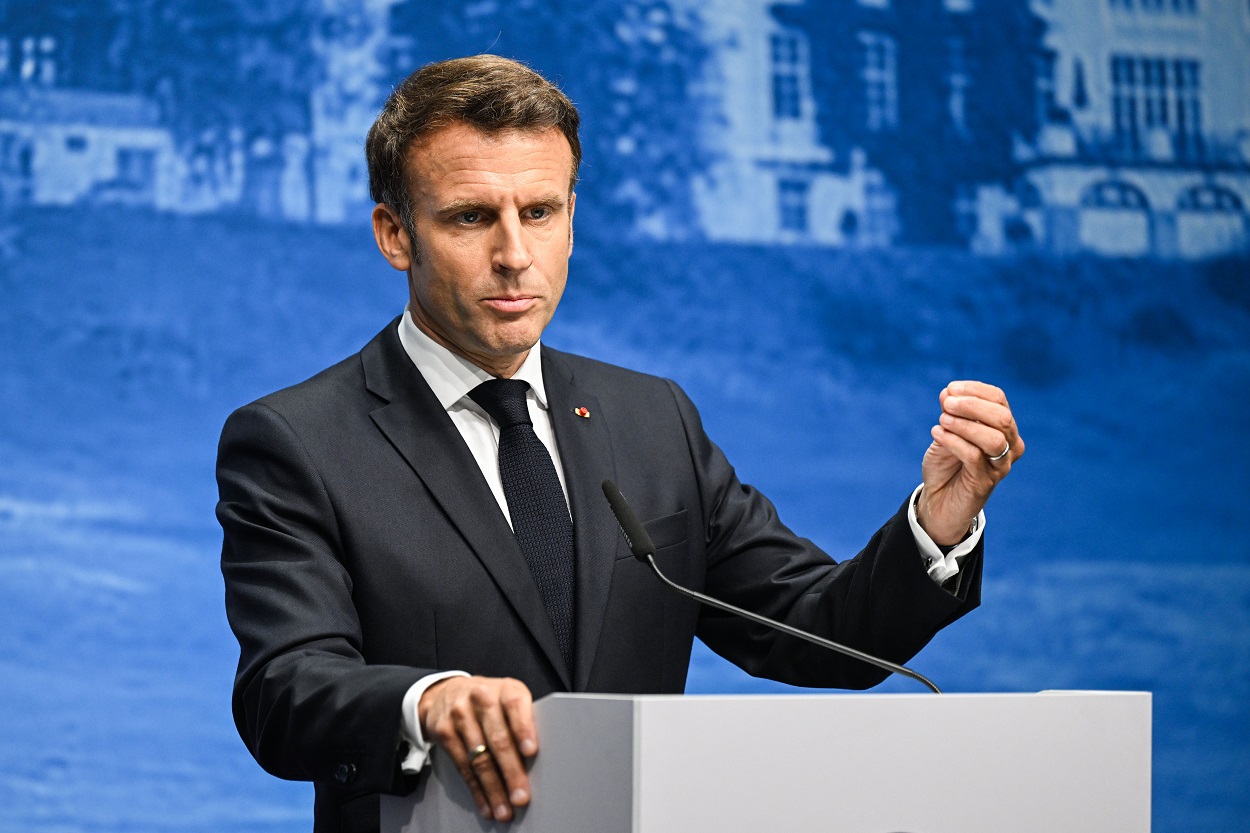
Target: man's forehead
point(458, 147)
point(455, 136)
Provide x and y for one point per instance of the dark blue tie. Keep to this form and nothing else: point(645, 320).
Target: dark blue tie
point(540, 515)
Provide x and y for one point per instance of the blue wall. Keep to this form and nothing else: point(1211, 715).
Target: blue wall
point(129, 328)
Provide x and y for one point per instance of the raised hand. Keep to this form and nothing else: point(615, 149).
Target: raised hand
point(975, 443)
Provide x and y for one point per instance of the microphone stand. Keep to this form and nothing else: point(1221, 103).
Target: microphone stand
point(644, 550)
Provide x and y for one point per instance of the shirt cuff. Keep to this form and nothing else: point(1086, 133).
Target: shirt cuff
point(942, 566)
point(418, 749)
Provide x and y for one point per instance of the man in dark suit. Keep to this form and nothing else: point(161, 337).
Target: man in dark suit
point(381, 575)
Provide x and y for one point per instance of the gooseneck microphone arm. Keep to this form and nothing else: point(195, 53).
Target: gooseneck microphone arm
point(644, 550)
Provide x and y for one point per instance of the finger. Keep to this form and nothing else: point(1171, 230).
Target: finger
point(456, 749)
point(995, 450)
point(992, 414)
point(518, 707)
point(481, 767)
point(988, 439)
point(968, 453)
point(508, 762)
point(443, 711)
point(978, 462)
point(977, 407)
point(980, 390)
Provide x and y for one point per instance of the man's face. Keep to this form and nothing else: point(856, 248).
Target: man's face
point(493, 225)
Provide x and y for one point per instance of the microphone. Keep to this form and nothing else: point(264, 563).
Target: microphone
point(641, 546)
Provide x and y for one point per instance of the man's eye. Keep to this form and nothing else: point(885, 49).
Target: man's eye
point(540, 213)
point(471, 217)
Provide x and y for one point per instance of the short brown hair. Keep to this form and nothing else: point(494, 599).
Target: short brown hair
point(486, 91)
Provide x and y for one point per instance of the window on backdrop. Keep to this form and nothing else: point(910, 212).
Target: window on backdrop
point(880, 77)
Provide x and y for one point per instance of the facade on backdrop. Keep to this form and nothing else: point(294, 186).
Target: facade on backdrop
point(1116, 127)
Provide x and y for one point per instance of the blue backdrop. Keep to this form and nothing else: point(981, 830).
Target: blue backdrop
point(810, 214)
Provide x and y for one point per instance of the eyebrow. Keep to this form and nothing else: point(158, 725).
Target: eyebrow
point(553, 199)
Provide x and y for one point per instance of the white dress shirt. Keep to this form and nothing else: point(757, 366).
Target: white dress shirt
point(452, 377)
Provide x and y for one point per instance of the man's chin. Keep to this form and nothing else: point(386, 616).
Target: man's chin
point(512, 338)
point(504, 354)
point(512, 351)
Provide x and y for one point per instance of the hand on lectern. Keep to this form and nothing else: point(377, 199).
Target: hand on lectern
point(486, 725)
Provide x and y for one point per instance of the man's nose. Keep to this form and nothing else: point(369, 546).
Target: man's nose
point(512, 251)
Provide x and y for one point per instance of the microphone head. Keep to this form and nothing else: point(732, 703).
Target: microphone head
point(635, 536)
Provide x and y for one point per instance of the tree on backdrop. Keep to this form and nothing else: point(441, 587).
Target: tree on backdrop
point(631, 67)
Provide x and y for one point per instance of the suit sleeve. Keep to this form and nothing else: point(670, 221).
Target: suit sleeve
point(305, 702)
point(881, 601)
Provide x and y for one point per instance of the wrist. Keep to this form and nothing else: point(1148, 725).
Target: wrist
point(427, 694)
point(427, 700)
point(946, 536)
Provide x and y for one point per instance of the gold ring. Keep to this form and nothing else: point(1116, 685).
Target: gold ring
point(477, 751)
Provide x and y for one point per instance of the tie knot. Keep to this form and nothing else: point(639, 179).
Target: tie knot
point(504, 400)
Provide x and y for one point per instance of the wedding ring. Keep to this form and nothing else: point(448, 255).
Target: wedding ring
point(1006, 451)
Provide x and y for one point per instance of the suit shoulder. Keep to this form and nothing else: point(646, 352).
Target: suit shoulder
point(343, 383)
point(649, 399)
point(322, 390)
point(594, 373)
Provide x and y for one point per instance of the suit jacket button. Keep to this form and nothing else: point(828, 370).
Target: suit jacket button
point(345, 773)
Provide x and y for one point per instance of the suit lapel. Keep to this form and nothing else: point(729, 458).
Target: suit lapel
point(417, 426)
point(586, 454)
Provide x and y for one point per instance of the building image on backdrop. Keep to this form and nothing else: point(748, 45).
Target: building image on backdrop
point(1120, 127)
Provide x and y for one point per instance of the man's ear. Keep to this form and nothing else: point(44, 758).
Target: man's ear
point(392, 237)
point(572, 205)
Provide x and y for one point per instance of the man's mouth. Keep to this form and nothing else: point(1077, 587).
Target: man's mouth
point(508, 303)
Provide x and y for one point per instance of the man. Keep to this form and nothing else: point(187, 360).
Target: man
point(385, 575)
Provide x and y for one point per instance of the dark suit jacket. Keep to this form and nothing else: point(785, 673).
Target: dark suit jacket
point(364, 550)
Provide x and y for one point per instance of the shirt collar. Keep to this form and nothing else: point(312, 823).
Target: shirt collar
point(451, 377)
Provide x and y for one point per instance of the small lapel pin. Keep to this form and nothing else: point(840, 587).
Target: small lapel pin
point(584, 413)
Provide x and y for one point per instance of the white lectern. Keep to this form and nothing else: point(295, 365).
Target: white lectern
point(859, 763)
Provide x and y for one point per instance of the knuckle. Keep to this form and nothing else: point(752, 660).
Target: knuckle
point(482, 694)
point(442, 731)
